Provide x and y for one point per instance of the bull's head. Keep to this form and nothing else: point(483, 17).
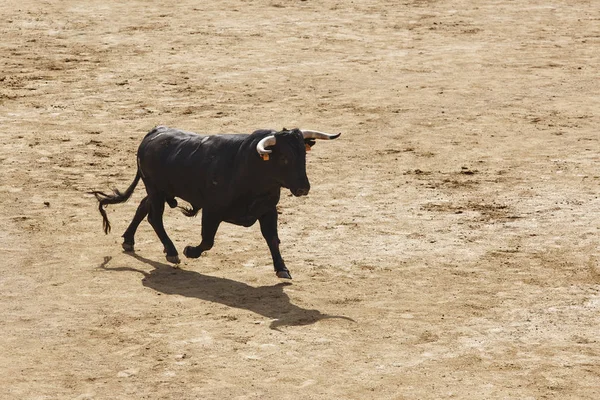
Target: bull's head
point(287, 149)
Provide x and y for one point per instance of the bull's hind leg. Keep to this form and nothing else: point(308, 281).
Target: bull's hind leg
point(140, 214)
point(155, 217)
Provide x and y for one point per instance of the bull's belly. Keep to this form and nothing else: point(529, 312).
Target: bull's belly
point(246, 211)
point(243, 211)
point(246, 221)
point(237, 214)
point(241, 214)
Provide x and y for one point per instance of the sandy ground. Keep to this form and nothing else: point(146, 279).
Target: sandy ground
point(454, 226)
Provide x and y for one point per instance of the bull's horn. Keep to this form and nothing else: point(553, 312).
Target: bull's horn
point(318, 135)
point(265, 142)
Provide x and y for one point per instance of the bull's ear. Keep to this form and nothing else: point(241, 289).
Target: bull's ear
point(308, 143)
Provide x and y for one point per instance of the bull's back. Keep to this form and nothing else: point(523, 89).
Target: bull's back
point(185, 164)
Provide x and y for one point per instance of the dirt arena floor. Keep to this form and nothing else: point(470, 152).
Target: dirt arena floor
point(449, 247)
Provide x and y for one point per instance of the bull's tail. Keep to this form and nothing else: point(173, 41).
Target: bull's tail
point(115, 198)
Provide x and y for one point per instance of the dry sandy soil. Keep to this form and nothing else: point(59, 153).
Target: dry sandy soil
point(454, 226)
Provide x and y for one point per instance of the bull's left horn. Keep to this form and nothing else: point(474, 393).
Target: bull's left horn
point(265, 142)
point(318, 135)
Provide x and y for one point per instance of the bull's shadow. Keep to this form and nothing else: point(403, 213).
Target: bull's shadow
point(269, 301)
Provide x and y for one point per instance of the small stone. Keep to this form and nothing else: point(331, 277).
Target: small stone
point(127, 373)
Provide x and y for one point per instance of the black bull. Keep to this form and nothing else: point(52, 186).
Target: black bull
point(232, 178)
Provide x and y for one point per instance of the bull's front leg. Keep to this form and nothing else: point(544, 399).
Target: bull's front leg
point(210, 225)
point(268, 227)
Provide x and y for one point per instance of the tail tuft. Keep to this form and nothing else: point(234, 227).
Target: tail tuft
point(115, 198)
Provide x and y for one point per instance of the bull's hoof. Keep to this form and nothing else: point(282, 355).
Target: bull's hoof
point(127, 246)
point(285, 274)
point(191, 252)
point(174, 259)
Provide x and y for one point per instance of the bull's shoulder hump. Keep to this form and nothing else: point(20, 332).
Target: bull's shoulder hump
point(263, 132)
point(232, 136)
point(224, 138)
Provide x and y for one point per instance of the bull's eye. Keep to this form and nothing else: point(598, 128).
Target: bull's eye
point(284, 160)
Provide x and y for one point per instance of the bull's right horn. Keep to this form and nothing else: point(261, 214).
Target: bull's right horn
point(265, 142)
point(318, 135)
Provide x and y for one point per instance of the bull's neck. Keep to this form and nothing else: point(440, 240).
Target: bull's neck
point(253, 175)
